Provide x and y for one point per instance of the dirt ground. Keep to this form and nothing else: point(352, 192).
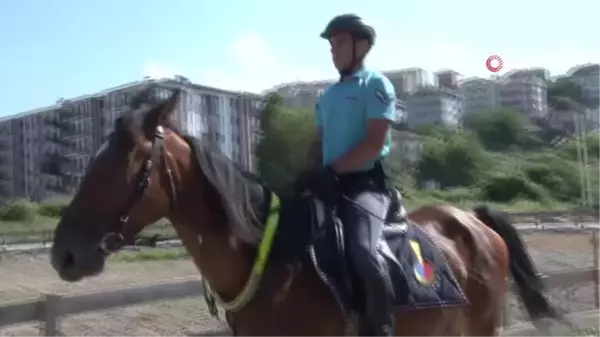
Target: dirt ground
point(26, 276)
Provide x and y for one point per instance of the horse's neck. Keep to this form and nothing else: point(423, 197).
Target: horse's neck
point(224, 261)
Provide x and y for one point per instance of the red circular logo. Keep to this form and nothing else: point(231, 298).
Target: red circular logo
point(494, 63)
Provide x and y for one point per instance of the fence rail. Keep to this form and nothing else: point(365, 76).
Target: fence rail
point(51, 306)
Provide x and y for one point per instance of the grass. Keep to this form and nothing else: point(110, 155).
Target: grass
point(586, 332)
point(41, 228)
point(151, 254)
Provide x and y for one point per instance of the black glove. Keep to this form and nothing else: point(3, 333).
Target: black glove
point(324, 184)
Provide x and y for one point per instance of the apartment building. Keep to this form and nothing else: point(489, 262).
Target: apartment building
point(407, 81)
point(301, 94)
point(448, 79)
point(6, 172)
point(527, 94)
point(431, 105)
point(479, 95)
point(226, 119)
point(541, 73)
point(588, 77)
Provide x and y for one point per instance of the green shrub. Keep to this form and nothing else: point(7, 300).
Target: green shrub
point(457, 195)
point(506, 188)
point(52, 209)
point(18, 210)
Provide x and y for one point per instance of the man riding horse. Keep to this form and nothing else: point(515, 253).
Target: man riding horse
point(353, 118)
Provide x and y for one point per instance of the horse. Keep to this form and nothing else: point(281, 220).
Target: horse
point(265, 257)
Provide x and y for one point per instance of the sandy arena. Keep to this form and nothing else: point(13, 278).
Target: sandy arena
point(25, 276)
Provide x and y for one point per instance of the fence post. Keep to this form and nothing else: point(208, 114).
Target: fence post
point(506, 319)
point(594, 242)
point(49, 314)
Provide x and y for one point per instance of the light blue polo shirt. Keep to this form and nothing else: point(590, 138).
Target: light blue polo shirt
point(344, 108)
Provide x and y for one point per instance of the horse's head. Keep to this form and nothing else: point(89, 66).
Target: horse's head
point(128, 185)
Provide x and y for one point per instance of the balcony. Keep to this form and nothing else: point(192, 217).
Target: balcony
point(60, 141)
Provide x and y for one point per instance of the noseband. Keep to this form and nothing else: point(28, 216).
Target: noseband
point(115, 239)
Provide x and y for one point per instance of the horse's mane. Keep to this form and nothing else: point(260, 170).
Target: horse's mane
point(242, 194)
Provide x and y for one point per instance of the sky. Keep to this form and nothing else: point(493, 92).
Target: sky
point(67, 48)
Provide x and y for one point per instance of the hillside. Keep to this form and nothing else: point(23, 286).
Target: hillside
point(495, 159)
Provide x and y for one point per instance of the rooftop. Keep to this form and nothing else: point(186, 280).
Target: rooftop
point(177, 81)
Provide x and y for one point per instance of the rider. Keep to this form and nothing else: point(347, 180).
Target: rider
point(353, 118)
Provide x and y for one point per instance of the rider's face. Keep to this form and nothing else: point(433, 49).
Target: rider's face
point(341, 50)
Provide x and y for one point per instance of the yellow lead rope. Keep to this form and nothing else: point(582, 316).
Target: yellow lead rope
point(262, 257)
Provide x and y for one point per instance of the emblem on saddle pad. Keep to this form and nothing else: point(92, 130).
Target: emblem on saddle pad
point(424, 271)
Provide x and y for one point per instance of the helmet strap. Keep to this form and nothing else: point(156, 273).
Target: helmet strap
point(354, 64)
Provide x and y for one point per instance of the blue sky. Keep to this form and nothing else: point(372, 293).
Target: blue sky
point(66, 48)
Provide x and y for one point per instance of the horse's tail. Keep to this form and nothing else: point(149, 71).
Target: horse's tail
point(529, 283)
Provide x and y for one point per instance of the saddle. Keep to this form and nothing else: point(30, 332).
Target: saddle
point(420, 274)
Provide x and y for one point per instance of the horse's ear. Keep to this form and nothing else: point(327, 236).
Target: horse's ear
point(162, 113)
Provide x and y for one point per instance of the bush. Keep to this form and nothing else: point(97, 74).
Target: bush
point(506, 188)
point(52, 209)
point(453, 161)
point(18, 210)
point(499, 130)
point(557, 175)
point(457, 195)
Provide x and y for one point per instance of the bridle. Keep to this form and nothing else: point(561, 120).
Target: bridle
point(115, 239)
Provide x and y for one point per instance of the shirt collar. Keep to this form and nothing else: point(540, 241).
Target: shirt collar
point(358, 75)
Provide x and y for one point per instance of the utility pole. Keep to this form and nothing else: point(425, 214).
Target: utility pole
point(582, 159)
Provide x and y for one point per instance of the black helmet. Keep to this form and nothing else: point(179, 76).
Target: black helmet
point(352, 24)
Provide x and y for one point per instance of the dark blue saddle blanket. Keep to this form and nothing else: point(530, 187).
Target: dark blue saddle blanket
point(419, 271)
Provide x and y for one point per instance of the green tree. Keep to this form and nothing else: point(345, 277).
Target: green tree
point(287, 133)
point(564, 94)
point(557, 175)
point(456, 160)
point(499, 130)
point(503, 187)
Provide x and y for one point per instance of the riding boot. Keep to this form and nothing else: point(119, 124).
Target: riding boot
point(379, 307)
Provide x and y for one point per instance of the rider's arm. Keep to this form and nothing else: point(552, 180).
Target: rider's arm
point(314, 156)
point(381, 112)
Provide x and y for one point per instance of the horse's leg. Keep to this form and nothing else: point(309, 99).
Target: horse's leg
point(485, 314)
point(486, 325)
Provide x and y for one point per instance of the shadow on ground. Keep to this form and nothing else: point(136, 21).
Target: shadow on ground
point(211, 332)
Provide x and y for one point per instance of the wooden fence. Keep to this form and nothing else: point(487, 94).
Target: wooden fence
point(51, 306)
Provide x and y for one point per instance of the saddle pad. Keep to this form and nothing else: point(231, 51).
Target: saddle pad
point(419, 271)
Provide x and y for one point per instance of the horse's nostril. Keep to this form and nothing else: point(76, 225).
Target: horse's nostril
point(68, 260)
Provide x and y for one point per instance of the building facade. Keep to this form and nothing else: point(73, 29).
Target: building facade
point(588, 77)
point(448, 79)
point(479, 95)
point(301, 94)
point(527, 94)
point(226, 119)
point(434, 106)
point(407, 81)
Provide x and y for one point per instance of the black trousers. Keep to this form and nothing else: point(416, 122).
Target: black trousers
point(362, 215)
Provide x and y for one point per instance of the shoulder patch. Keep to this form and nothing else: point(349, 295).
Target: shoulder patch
point(385, 97)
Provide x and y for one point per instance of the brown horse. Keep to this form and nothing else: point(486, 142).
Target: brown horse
point(148, 170)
